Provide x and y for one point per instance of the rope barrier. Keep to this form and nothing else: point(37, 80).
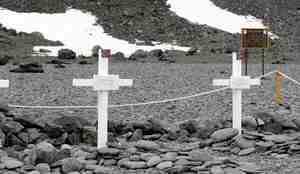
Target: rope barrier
point(289, 78)
point(118, 106)
point(145, 103)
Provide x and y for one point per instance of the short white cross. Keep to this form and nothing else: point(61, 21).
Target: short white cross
point(237, 83)
point(4, 83)
point(103, 83)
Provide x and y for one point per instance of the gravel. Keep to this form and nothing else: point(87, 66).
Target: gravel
point(152, 81)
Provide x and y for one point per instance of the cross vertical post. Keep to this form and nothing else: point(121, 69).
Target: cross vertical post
point(236, 95)
point(237, 83)
point(103, 83)
point(102, 129)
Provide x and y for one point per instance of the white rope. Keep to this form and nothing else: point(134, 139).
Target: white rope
point(117, 106)
point(289, 78)
point(135, 104)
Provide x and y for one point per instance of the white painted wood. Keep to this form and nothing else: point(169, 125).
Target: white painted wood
point(126, 82)
point(237, 109)
point(83, 82)
point(221, 82)
point(103, 83)
point(4, 83)
point(237, 83)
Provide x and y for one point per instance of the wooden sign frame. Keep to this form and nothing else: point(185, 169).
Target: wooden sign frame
point(255, 38)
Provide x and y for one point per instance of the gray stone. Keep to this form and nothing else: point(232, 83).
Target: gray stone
point(153, 161)
point(295, 147)
point(178, 169)
point(244, 143)
point(102, 170)
point(147, 145)
point(43, 168)
point(11, 163)
point(278, 138)
point(137, 135)
point(200, 155)
point(2, 138)
point(249, 123)
point(12, 127)
point(217, 170)
point(169, 156)
point(182, 162)
point(109, 162)
point(147, 156)
point(66, 54)
point(249, 167)
point(71, 165)
point(135, 158)
point(108, 151)
point(247, 151)
point(34, 172)
point(224, 134)
point(233, 171)
point(164, 165)
point(11, 172)
point(134, 164)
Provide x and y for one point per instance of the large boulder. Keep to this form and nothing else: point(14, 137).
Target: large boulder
point(66, 54)
point(4, 59)
point(224, 134)
point(138, 54)
point(29, 68)
point(118, 56)
point(158, 53)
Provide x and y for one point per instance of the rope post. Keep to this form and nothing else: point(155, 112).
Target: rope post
point(103, 83)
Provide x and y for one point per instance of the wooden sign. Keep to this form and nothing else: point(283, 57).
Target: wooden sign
point(106, 53)
point(255, 38)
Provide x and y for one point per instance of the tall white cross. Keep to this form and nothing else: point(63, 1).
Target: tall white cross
point(103, 83)
point(4, 83)
point(237, 83)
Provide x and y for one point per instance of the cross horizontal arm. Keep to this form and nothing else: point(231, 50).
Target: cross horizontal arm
point(83, 82)
point(4, 83)
point(125, 82)
point(221, 82)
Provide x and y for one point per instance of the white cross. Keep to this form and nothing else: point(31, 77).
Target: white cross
point(237, 83)
point(102, 83)
point(4, 83)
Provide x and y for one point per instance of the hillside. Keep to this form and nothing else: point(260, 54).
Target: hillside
point(283, 16)
point(13, 43)
point(142, 20)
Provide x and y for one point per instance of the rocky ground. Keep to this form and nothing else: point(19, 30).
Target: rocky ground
point(189, 136)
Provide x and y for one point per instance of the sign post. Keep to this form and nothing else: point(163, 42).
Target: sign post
point(103, 83)
point(254, 36)
point(237, 83)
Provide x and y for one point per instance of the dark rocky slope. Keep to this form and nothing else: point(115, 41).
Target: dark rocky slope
point(134, 19)
point(283, 16)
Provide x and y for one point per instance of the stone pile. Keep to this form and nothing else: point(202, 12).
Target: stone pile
point(227, 140)
point(44, 158)
point(33, 145)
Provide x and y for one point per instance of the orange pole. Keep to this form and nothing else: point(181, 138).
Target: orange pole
point(278, 78)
